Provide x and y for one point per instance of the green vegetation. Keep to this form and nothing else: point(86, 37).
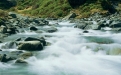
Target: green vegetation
point(60, 8)
point(44, 8)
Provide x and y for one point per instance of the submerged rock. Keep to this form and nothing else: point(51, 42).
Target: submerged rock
point(51, 30)
point(26, 55)
point(20, 60)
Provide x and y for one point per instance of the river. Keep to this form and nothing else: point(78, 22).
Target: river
point(71, 52)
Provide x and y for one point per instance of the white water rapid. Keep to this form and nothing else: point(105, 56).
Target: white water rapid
point(73, 52)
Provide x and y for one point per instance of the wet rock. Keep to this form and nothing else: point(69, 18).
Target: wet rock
point(39, 31)
point(115, 25)
point(45, 22)
point(3, 29)
point(0, 41)
point(33, 28)
point(93, 27)
point(9, 45)
point(51, 30)
point(26, 55)
point(11, 30)
point(85, 31)
point(13, 15)
point(81, 25)
point(30, 46)
point(5, 58)
point(42, 40)
point(20, 60)
point(15, 54)
point(31, 39)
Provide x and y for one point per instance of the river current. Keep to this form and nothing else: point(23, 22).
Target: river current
point(71, 52)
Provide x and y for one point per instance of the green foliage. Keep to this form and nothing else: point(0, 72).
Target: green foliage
point(60, 8)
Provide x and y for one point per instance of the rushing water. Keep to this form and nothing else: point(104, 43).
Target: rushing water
point(72, 52)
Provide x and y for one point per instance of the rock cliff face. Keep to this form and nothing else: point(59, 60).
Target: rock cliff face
point(76, 3)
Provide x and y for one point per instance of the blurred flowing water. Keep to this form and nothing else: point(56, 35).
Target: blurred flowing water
point(71, 52)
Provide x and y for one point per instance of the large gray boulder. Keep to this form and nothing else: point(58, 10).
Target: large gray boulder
point(30, 46)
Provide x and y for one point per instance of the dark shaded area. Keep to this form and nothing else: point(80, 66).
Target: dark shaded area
point(107, 5)
point(6, 4)
point(76, 3)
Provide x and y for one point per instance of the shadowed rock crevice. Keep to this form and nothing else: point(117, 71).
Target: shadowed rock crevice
point(6, 4)
point(76, 3)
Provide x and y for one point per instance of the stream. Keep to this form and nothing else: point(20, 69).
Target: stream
point(71, 52)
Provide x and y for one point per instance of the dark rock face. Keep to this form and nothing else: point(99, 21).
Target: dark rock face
point(76, 3)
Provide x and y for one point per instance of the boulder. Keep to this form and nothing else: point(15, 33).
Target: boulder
point(30, 46)
point(9, 45)
point(81, 25)
point(15, 54)
point(93, 27)
point(33, 28)
point(42, 40)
